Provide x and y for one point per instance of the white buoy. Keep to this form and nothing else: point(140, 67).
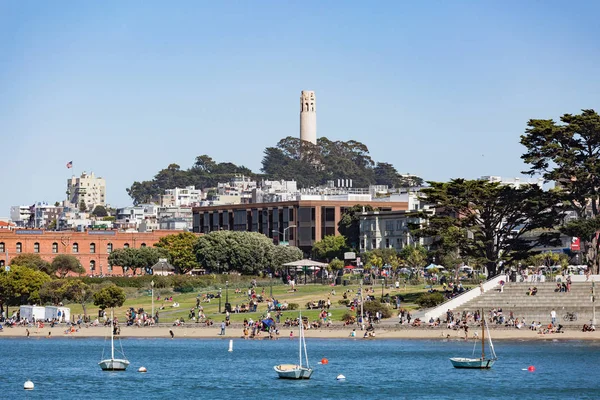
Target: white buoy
point(340, 377)
point(28, 385)
point(230, 345)
point(142, 369)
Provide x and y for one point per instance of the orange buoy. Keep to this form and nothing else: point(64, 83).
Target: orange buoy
point(531, 368)
point(324, 361)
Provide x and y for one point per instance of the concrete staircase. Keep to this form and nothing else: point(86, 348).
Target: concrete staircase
point(514, 298)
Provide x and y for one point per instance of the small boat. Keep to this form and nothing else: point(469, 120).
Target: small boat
point(482, 362)
point(112, 363)
point(296, 371)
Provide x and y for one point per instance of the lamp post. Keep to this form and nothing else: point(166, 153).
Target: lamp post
point(226, 294)
point(284, 231)
point(593, 302)
point(271, 285)
point(152, 285)
point(361, 306)
point(220, 291)
point(382, 284)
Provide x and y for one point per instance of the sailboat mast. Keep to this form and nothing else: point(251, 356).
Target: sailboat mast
point(112, 338)
point(482, 335)
point(300, 339)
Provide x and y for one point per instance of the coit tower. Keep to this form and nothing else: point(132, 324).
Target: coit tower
point(308, 116)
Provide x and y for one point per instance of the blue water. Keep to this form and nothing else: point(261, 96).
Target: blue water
point(375, 369)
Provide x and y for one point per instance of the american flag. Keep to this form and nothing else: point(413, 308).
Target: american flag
point(70, 164)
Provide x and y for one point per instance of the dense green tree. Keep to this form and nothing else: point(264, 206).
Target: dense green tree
point(414, 256)
point(180, 248)
point(51, 291)
point(245, 252)
point(109, 297)
point(330, 247)
point(66, 290)
point(336, 264)
point(387, 255)
point(64, 264)
point(285, 254)
point(497, 218)
point(100, 211)
point(78, 292)
point(33, 261)
point(136, 259)
point(386, 174)
point(569, 154)
point(21, 285)
point(349, 225)
point(203, 174)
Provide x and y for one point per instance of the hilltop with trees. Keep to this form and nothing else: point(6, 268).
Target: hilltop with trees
point(291, 159)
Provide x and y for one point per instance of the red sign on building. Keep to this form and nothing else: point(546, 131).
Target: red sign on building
point(575, 244)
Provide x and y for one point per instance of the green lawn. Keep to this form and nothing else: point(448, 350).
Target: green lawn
point(305, 293)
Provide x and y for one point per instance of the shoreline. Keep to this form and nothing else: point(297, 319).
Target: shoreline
point(235, 332)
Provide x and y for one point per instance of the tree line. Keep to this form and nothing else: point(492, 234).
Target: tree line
point(291, 159)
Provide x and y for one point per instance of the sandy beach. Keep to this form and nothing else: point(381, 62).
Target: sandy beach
point(235, 332)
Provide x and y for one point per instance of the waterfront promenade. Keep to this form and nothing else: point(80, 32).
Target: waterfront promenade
point(385, 330)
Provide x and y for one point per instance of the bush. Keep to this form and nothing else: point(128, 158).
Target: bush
point(292, 306)
point(426, 300)
point(344, 302)
point(348, 317)
point(374, 305)
point(184, 287)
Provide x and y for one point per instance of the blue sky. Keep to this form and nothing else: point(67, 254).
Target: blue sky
point(439, 89)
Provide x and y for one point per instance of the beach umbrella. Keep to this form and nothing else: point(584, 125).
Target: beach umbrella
point(404, 271)
point(432, 266)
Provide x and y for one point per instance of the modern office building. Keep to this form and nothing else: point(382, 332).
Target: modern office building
point(299, 222)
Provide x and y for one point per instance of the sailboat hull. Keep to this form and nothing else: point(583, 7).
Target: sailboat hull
point(291, 371)
point(472, 363)
point(113, 365)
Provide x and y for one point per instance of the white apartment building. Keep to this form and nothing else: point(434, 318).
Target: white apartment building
point(175, 218)
point(88, 188)
point(20, 215)
point(131, 217)
point(387, 229)
point(187, 196)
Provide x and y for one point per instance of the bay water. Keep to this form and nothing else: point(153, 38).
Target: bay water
point(67, 368)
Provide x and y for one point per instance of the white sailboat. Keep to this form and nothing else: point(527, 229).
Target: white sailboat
point(296, 371)
point(112, 363)
point(478, 363)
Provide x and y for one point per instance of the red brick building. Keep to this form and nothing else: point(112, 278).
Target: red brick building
point(91, 247)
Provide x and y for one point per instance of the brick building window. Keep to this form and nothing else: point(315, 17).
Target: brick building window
point(2, 264)
point(19, 247)
point(2, 248)
point(109, 248)
point(36, 247)
point(143, 245)
point(92, 248)
point(92, 266)
point(126, 246)
point(75, 248)
point(55, 247)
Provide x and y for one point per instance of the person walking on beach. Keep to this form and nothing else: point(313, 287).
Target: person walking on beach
point(553, 317)
point(172, 334)
point(222, 329)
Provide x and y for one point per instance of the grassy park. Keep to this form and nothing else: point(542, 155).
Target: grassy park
point(142, 298)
